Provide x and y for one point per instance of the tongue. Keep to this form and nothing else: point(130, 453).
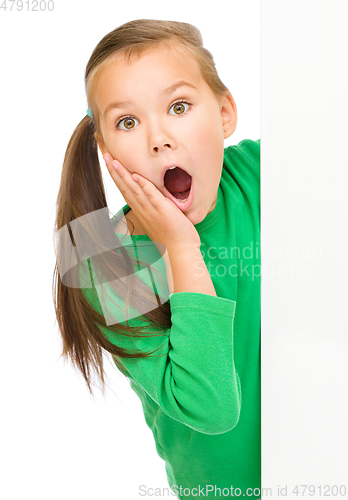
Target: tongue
point(178, 182)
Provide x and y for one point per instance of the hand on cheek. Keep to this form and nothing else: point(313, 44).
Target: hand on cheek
point(161, 219)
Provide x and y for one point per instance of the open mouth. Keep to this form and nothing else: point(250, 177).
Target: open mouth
point(178, 182)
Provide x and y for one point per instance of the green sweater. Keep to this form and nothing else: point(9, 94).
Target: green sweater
point(201, 394)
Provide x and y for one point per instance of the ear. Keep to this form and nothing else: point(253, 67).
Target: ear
point(228, 111)
point(101, 144)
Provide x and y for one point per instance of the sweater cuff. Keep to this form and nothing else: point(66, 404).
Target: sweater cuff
point(202, 302)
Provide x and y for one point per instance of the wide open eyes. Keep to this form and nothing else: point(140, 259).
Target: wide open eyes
point(129, 122)
point(179, 107)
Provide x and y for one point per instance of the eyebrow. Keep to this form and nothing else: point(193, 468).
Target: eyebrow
point(165, 92)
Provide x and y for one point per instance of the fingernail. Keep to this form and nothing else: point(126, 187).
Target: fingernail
point(106, 158)
point(115, 165)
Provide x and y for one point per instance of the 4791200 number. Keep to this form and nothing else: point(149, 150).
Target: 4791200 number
point(321, 490)
point(33, 5)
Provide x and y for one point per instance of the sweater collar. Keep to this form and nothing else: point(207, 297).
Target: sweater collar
point(211, 219)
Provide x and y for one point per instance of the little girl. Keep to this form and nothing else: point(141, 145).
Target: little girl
point(159, 113)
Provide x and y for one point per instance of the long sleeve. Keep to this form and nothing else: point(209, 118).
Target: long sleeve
point(192, 376)
point(201, 391)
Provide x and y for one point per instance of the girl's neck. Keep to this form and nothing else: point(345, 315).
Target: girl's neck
point(131, 221)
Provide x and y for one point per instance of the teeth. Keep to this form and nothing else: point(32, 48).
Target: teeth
point(182, 201)
point(171, 168)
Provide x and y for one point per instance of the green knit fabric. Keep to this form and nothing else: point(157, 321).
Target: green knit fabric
point(201, 394)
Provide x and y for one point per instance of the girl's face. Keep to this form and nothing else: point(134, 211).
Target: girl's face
point(144, 127)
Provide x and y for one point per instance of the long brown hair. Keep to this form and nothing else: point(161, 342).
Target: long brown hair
point(82, 192)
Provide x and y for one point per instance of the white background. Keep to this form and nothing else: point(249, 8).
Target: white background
point(304, 213)
point(56, 441)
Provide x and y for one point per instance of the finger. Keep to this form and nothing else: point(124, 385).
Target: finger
point(141, 189)
point(113, 171)
point(131, 190)
point(149, 189)
point(112, 164)
point(113, 168)
point(109, 160)
point(148, 196)
point(108, 157)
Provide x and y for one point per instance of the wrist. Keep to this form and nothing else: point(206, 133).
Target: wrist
point(192, 248)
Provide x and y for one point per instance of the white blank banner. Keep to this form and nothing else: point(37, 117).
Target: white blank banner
point(304, 213)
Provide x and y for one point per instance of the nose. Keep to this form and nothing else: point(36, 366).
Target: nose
point(160, 138)
point(157, 148)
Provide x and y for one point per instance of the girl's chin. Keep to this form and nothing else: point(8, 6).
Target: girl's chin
point(195, 217)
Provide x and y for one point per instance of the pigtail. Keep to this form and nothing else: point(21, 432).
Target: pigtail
point(82, 192)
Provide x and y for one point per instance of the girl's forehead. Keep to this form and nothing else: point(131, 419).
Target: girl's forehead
point(157, 67)
point(162, 55)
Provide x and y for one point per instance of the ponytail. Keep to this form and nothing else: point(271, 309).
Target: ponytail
point(82, 192)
